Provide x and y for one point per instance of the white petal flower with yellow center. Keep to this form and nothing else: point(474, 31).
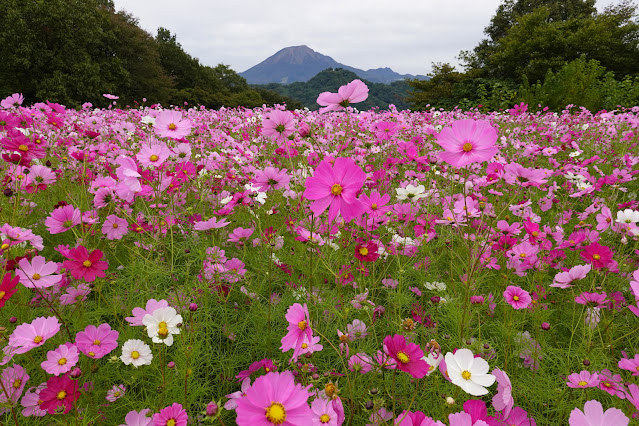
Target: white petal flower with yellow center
point(136, 352)
point(468, 372)
point(162, 325)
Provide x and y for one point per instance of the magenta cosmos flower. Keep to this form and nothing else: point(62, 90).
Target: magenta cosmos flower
point(61, 392)
point(468, 141)
point(7, 287)
point(299, 327)
point(594, 415)
point(599, 256)
point(38, 273)
point(335, 187)
point(271, 178)
point(517, 297)
point(583, 380)
point(278, 125)
point(353, 92)
point(169, 124)
point(96, 342)
point(84, 265)
point(274, 399)
point(407, 355)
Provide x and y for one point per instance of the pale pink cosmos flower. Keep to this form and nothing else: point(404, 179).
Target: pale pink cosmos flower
point(565, 279)
point(96, 342)
point(114, 227)
point(14, 100)
point(240, 235)
point(28, 336)
point(323, 413)
point(134, 418)
point(467, 141)
point(61, 360)
point(594, 415)
point(583, 380)
point(503, 399)
point(31, 402)
point(231, 404)
point(212, 223)
point(278, 125)
point(62, 219)
point(360, 363)
point(39, 273)
point(13, 379)
point(154, 154)
point(75, 294)
point(353, 92)
point(170, 124)
point(115, 393)
point(335, 186)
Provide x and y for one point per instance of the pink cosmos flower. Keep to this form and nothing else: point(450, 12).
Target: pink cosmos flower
point(503, 399)
point(114, 227)
point(60, 392)
point(631, 364)
point(28, 336)
point(336, 188)
point(231, 404)
point(134, 418)
point(407, 418)
point(139, 313)
point(407, 355)
point(299, 327)
point(13, 379)
point(61, 360)
point(173, 415)
point(14, 100)
point(62, 219)
point(360, 363)
point(84, 265)
point(518, 417)
point(38, 273)
point(323, 413)
point(278, 125)
point(612, 383)
point(517, 297)
point(212, 223)
point(274, 399)
point(154, 154)
point(594, 415)
point(468, 141)
point(565, 279)
point(353, 92)
point(593, 300)
point(96, 342)
point(464, 419)
point(75, 295)
point(31, 402)
point(583, 380)
point(271, 178)
point(169, 124)
point(240, 235)
point(115, 393)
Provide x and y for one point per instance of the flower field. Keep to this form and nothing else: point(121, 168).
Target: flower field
point(173, 266)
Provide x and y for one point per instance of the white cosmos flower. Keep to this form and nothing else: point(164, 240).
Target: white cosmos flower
point(468, 372)
point(136, 352)
point(411, 192)
point(433, 362)
point(162, 325)
point(627, 216)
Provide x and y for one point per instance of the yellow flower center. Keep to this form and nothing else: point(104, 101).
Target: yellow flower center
point(330, 390)
point(535, 234)
point(116, 394)
point(163, 332)
point(336, 189)
point(466, 375)
point(115, 225)
point(4, 246)
point(515, 298)
point(91, 354)
point(62, 361)
point(363, 251)
point(324, 418)
point(172, 126)
point(96, 342)
point(87, 263)
point(2, 293)
point(154, 158)
point(135, 354)
point(373, 206)
point(596, 256)
point(582, 383)
point(302, 325)
point(23, 148)
point(62, 394)
point(17, 383)
point(402, 357)
point(522, 255)
point(171, 422)
point(304, 346)
point(276, 413)
point(37, 339)
point(467, 147)
point(36, 276)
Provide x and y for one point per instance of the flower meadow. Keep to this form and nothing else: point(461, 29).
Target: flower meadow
point(173, 266)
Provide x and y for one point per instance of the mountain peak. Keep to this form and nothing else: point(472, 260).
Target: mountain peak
point(301, 63)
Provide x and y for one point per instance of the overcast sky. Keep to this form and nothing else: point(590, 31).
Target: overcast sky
point(405, 35)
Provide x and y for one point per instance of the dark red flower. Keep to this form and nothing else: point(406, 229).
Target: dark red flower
point(59, 395)
point(8, 287)
point(367, 252)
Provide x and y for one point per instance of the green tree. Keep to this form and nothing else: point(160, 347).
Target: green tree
point(438, 91)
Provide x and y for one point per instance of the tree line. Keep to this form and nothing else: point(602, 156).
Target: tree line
point(74, 51)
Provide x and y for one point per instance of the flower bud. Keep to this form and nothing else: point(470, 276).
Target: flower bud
point(450, 401)
point(211, 409)
point(193, 307)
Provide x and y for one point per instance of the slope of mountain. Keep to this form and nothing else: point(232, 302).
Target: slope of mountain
point(301, 63)
point(329, 80)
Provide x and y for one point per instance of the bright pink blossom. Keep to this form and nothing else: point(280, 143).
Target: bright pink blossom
point(467, 141)
point(62, 219)
point(517, 297)
point(407, 355)
point(61, 360)
point(594, 415)
point(61, 392)
point(170, 124)
point(84, 265)
point(96, 342)
point(353, 92)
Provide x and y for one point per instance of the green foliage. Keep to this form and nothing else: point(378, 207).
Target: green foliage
point(330, 80)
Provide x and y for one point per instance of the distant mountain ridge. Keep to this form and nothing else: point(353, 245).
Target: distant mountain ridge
point(301, 63)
